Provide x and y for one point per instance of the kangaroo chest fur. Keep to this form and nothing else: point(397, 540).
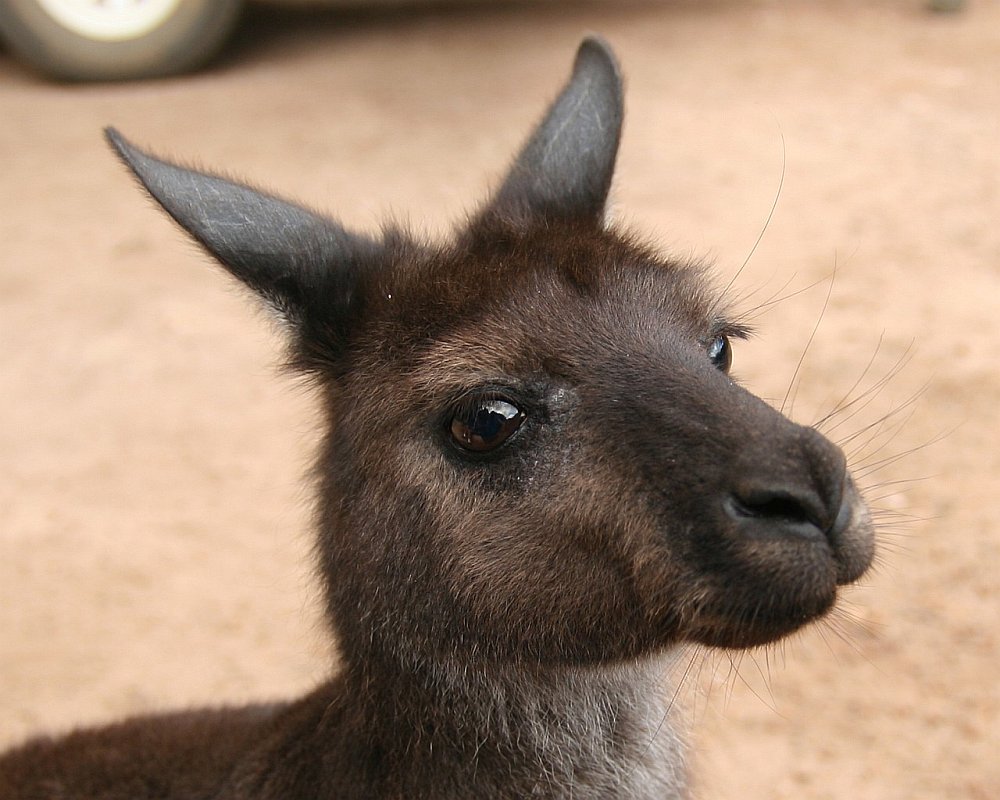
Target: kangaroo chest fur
point(537, 482)
point(567, 733)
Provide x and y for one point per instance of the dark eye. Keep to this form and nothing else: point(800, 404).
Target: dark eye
point(485, 424)
point(720, 353)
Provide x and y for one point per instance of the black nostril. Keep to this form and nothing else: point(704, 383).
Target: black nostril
point(779, 511)
point(773, 505)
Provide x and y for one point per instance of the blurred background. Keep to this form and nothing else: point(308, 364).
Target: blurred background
point(154, 520)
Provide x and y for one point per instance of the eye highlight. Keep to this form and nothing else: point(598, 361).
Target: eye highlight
point(720, 353)
point(485, 423)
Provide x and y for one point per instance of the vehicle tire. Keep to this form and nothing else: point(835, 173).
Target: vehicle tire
point(91, 40)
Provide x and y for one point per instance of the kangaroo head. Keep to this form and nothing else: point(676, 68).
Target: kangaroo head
point(534, 451)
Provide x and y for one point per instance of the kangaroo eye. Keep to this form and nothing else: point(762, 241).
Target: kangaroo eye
point(485, 424)
point(720, 353)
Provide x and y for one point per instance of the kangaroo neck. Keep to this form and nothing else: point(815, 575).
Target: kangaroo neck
point(516, 730)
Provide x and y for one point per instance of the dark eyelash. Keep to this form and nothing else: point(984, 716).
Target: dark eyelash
point(734, 330)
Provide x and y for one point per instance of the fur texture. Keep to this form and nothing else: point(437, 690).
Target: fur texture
point(537, 480)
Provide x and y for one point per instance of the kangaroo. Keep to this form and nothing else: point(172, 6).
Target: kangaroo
point(537, 481)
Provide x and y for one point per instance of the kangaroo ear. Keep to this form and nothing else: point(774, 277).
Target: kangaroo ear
point(564, 171)
point(292, 257)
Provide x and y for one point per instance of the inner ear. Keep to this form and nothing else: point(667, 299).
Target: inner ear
point(564, 171)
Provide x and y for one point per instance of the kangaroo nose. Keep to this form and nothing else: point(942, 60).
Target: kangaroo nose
point(801, 495)
point(774, 511)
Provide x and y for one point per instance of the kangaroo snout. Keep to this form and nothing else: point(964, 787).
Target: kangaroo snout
point(795, 487)
point(806, 494)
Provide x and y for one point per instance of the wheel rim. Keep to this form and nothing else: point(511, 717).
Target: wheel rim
point(110, 20)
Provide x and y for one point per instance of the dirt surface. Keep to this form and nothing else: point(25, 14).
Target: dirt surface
point(154, 535)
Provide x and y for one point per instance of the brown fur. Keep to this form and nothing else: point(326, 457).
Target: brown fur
point(505, 617)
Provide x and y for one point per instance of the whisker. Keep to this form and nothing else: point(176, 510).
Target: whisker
point(873, 467)
point(805, 350)
point(760, 308)
point(767, 222)
point(844, 401)
point(889, 415)
point(863, 400)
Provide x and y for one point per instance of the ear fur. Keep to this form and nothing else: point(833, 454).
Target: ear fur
point(290, 256)
point(311, 269)
point(564, 170)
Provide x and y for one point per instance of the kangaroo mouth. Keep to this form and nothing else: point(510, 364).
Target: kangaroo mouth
point(782, 567)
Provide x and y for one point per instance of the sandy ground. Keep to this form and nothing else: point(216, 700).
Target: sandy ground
point(153, 522)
